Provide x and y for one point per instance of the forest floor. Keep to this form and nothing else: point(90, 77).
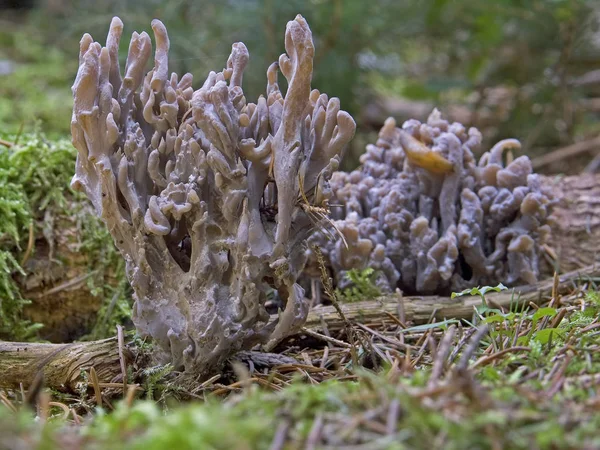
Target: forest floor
point(518, 377)
point(507, 378)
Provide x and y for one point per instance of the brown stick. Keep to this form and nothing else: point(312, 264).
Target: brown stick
point(566, 152)
point(63, 364)
point(6, 143)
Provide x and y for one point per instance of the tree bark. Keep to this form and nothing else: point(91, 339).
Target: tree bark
point(63, 364)
point(576, 217)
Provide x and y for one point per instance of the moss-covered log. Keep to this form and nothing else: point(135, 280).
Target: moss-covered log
point(54, 251)
point(61, 278)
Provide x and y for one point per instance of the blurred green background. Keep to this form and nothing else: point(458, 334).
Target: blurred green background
point(528, 69)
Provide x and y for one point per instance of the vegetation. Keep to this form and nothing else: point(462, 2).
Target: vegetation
point(363, 286)
point(512, 379)
point(34, 195)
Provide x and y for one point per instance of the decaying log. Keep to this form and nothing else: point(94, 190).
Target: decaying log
point(563, 155)
point(63, 364)
point(58, 278)
point(420, 310)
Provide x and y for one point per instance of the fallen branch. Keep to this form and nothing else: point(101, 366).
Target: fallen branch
point(594, 165)
point(63, 364)
point(420, 310)
point(564, 153)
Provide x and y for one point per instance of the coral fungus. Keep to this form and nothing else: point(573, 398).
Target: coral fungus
point(429, 218)
point(208, 198)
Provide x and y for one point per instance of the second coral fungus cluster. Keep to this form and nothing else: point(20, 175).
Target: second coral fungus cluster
point(430, 218)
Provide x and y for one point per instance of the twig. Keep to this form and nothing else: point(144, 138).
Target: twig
point(67, 284)
point(559, 377)
point(565, 153)
point(30, 242)
point(555, 302)
point(324, 338)
point(488, 359)
point(65, 408)
point(44, 406)
point(121, 357)
point(470, 350)
point(443, 351)
point(35, 389)
point(96, 386)
point(6, 143)
point(210, 381)
point(384, 338)
point(6, 402)
point(136, 387)
point(325, 357)
point(392, 416)
point(131, 394)
point(315, 433)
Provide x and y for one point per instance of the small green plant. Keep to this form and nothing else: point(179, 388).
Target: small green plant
point(155, 379)
point(481, 291)
point(363, 286)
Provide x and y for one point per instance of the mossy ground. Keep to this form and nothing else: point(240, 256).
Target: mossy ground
point(509, 379)
point(34, 192)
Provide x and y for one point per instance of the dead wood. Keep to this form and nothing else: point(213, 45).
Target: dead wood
point(576, 227)
point(563, 154)
point(420, 310)
point(62, 364)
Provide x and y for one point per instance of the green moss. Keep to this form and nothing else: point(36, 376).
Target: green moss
point(362, 285)
point(351, 413)
point(513, 402)
point(34, 185)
